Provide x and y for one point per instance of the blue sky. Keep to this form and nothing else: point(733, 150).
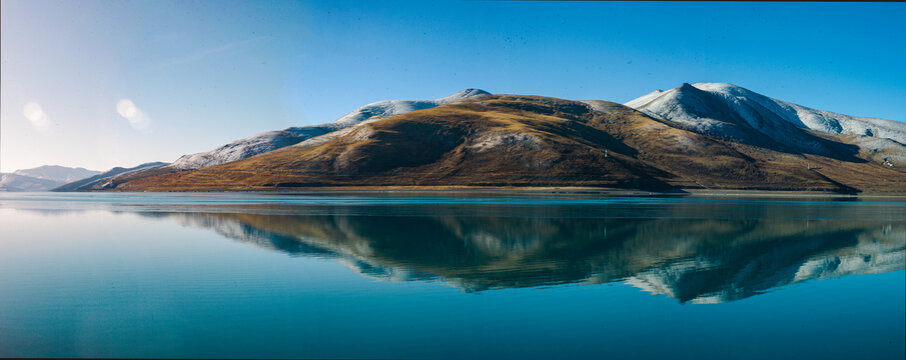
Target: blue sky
point(117, 83)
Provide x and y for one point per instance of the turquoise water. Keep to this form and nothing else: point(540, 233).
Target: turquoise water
point(474, 276)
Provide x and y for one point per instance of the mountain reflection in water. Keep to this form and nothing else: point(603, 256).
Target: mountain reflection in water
point(704, 259)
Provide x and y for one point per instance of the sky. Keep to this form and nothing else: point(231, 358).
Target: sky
point(99, 84)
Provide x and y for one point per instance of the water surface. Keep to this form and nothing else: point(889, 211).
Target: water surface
point(331, 275)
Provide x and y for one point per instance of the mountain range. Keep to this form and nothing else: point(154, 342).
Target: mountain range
point(11, 182)
point(42, 178)
point(695, 136)
point(108, 179)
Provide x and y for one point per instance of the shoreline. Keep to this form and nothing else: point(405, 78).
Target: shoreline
point(542, 190)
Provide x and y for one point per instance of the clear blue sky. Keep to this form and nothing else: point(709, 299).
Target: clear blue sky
point(200, 74)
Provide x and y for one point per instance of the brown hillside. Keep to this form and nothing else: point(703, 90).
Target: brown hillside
point(507, 140)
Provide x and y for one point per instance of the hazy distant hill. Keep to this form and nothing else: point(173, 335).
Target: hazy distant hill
point(17, 183)
point(57, 173)
point(42, 178)
point(108, 179)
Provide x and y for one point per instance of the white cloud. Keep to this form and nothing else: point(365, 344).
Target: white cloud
point(137, 118)
point(36, 116)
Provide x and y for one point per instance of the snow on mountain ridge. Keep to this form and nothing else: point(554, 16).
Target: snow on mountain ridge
point(644, 99)
point(271, 140)
point(237, 150)
point(760, 111)
point(692, 108)
point(12, 182)
point(106, 180)
point(56, 173)
point(397, 107)
point(820, 120)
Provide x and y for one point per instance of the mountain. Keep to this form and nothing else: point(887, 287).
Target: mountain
point(60, 174)
point(264, 142)
point(16, 183)
point(42, 178)
point(703, 142)
point(699, 104)
point(108, 179)
point(736, 113)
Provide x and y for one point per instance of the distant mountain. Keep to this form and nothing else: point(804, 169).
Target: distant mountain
point(18, 183)
point(686, 138)
point(271, 140)
point(42, 178)
point(108, 179)
point(60, 174)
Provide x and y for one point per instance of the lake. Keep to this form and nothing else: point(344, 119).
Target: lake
point(471, 276)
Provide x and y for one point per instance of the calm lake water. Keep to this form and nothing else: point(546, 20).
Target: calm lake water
point(279, 275)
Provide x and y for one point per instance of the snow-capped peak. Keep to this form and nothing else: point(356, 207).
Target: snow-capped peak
point(57, 173)
point(271, 140)
point(397, 107)
point(644, 99)
point(701, 106)
point(462, 94)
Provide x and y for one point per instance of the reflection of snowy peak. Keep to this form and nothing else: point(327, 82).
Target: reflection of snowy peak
point(271, 140)
point(725, 279)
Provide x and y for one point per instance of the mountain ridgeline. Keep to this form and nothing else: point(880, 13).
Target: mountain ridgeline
point(699, 136)
point(264, 142)
point(110, 178)
point(42, 178)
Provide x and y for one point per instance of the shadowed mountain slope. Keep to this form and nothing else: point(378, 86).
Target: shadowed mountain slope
point(110, 178)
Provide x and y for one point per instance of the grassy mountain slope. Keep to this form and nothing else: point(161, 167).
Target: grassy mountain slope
point(509, 140)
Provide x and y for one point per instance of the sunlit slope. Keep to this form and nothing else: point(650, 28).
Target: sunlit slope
point(271, 140)
point(508, 140)
point(732, 112)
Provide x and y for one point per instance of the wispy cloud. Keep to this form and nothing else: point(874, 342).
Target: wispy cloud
point(36, 116)
point(137, 118)
point(204, 53)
